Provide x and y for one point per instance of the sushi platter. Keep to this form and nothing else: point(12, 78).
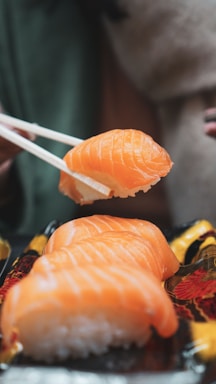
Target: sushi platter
point(105, 299)
point(170, 360)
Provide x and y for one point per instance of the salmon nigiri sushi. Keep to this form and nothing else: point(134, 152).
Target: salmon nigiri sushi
point(111, 248)
point(125, 160)
point(85, 310)
point(85, 227)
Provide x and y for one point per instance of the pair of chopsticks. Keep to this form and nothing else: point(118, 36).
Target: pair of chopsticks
point(42, 153)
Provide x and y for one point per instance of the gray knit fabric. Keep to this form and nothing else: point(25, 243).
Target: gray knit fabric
point(168, 48)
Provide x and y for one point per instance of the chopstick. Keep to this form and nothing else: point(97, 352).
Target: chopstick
point(38, 130)
point(52, 159)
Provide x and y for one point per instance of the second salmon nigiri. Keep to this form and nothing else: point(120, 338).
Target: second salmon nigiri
point(111, 248)
point(78, 229)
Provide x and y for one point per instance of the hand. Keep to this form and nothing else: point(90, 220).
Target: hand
point(210, 122)
point(7, 153)
point(8, 150)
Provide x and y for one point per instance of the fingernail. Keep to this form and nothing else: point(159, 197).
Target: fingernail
point(31, 136)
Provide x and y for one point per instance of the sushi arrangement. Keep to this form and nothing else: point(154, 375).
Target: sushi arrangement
point(189, 351)
point(104, 282)
point(99, 281)
point(99, 292)
point(98, 284)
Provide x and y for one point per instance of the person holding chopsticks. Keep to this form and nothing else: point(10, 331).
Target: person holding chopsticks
point(84, 67)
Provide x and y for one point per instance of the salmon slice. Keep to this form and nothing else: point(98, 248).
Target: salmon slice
point(107, 247)
point(79, 229)
point(85, 227)
point(83, 310)
point(125, 160)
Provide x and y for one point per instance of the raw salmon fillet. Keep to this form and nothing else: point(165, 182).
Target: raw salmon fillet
point(125, 160)
point(78, 229)
point(85, 310)
point(111, 248)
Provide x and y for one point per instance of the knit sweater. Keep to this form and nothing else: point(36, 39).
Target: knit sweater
point(168, 50)
point(166, 47)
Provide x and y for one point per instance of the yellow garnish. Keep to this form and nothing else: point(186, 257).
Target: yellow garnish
point(180, 244)
point(37, 243)
point(5, 249)
point(204, 338)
